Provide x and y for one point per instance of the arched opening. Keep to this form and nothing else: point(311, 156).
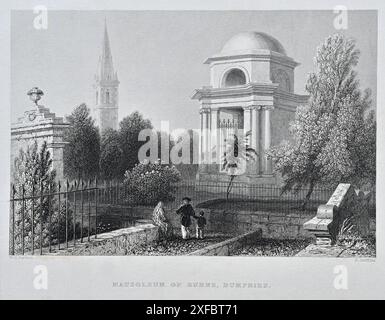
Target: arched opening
point(234, 77)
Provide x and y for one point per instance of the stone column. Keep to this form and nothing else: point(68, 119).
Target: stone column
point(255, 137)
point(204, 141)
point(215, 144)
point(205, 135)
point(247, 127)
point(267, 142)
point(246, 120)
point(201, 137)
point(208, 137)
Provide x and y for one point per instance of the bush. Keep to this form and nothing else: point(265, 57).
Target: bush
point(148, 183)
point(58, 226)
point(34, 177)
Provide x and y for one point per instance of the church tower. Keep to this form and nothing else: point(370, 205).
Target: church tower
point(106, 89)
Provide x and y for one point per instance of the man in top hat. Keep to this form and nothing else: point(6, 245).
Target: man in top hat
point(186, 211)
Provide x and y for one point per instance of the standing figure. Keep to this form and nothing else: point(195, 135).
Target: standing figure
point(160, 220)
point(201, 222)
point(186, 211)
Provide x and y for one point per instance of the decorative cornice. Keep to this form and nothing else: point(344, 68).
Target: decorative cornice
point(247, 89)
point(256, 55)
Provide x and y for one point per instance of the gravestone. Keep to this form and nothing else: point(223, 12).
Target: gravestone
point(345, 203)
point(39, 124)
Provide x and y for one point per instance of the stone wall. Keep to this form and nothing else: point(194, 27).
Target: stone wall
point(277, 225)
point(228, 247)
point(116, 242)
point(273, 225)
point(281, 119)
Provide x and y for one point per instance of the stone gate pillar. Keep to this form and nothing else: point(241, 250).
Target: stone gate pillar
point(39, 124)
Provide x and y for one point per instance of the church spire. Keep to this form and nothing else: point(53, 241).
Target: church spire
point(106, 67)
point(106, 88)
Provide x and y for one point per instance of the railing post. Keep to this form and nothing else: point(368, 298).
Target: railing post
point(82, 209)
point(66, 205)
point(74, 214)
point(96, 208)
point(89, 208)
point(33, 218)
point(13, 218)
point(58, 218)
point(22, 220)
point(41, 217)
point(49, 217)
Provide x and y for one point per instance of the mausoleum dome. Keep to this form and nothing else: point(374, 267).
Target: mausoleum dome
point(246, 41)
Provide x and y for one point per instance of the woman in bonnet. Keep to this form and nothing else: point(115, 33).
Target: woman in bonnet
point(160, 220)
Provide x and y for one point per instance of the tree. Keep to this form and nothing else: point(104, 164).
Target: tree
point(333, 137)
point(110, 155)
point(33, 179)
point(237, 154)
point(130, 127)
point(81, 154)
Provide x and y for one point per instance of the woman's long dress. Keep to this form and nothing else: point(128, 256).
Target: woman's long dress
point(160, 220)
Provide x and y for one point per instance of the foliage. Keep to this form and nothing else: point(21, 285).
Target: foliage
point(333, 138)
point(235, 157)
point(34, 178)
point(110, 155)
point(350, 238)
point(81, 154)
point(149, 183)
point(130, 128)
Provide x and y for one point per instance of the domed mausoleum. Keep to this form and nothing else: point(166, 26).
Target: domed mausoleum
point(251, 90)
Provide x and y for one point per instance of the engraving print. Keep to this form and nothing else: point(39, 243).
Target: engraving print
point(226, 133)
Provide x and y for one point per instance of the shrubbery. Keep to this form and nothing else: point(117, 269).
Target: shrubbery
point(34, 174)
point(148, 183)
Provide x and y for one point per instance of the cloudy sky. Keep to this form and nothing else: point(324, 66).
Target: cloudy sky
point(159, 55)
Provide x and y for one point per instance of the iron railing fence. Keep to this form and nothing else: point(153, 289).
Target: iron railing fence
point(48, 218)
point(202, 193)
point(44, 218)
point(247, 197)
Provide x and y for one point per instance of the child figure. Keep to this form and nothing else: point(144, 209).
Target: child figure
point(201, 222)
